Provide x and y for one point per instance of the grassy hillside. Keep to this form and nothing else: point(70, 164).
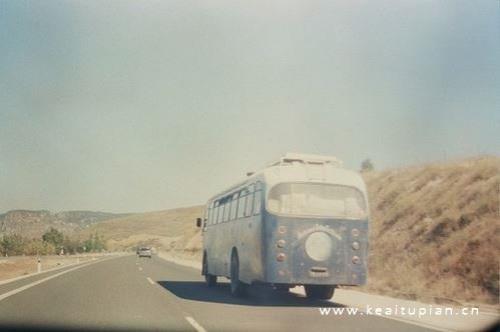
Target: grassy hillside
point(434, 233)
point(166, 230)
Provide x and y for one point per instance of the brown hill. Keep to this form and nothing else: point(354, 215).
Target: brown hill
point(435, 230)
point(166, 230)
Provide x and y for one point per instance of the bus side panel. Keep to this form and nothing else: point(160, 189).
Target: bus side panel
point(225, 241)
point(249, 233)
point(216, 243)
point(244, 235)
point(208, 246)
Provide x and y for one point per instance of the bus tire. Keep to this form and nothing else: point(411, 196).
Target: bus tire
point(238, 288)
point(319, 292)
point(210, 279)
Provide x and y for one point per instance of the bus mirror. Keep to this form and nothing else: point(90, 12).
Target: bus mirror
point(198, 222)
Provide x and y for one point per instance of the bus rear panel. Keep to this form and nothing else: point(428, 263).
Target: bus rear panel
point(292, 257)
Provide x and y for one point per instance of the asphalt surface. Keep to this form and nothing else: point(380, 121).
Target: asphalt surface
point(130, 293)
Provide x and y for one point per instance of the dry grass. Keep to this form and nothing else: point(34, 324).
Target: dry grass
point(22, 265)
point(165, 230)
point(435, 231)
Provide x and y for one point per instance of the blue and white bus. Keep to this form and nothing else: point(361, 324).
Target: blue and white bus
point(303, 220)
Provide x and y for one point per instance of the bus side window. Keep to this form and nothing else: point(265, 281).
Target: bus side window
point(213, 214)
point(234, 206)
point(257, 202)
point(217, 213)
point(227, 207)
point(209, 215)
point(249, 205)
point(241, 205)
point(222, 207)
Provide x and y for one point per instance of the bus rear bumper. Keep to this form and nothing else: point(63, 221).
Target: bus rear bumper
point(317, 276)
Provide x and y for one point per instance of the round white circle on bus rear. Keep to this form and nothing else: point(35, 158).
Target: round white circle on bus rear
point(319, 246)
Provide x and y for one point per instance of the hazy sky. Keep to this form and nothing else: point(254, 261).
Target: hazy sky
point(147, 105)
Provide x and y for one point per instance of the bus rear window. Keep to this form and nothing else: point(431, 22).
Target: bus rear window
point(316, 199)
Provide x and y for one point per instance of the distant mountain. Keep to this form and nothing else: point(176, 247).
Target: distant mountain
point(84, 218)
point(33, 223)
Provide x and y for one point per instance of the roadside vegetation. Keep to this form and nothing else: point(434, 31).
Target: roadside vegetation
point(51, 242)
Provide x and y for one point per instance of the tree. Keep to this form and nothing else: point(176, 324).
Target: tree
point(54, 237)
point(12, 245)
point(72, 246)
point(94, 243)
point(98, 243)
point(38, 247)
point(367, 165)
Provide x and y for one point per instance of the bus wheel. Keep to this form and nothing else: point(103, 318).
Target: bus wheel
point(238, 288)
point(210, 279)
point(319, 292)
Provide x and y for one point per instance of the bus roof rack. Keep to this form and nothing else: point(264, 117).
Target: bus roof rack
point(291, 157)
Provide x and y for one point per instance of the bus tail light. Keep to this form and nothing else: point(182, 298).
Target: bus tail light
point(356, 260)
point(280, 257)
point(281, 243)
point(355, 245)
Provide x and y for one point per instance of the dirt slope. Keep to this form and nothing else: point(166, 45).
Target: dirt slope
point(435, 231)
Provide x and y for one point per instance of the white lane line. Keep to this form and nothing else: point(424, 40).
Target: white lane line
point(38, 282)
point(6, 281)
point(150, 281)
point(140, 268)
point(195, 324)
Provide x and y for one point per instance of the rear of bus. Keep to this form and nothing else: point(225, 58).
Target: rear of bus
point(316, 233)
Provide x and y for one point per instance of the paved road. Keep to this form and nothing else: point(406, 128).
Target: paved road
point(128, 293)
